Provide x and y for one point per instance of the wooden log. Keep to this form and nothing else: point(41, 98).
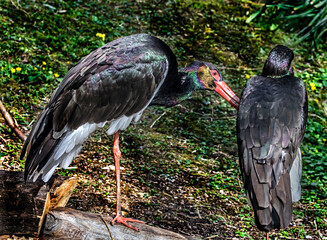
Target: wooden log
point(66, 223)
point(36, 208)
point(23, 206)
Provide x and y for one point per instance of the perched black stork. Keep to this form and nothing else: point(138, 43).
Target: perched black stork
point(112, 85)
point(270, 127)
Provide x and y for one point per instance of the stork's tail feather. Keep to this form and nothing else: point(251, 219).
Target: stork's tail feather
point(46, 149)
point(34, 147)
point(273, 206)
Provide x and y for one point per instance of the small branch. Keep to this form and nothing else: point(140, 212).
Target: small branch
point(19, 7)
point(3, 140)
point(258, 4)
point(105, 222)
point(240, 68)
point(11, 122)
point(317, 116)
point(157, 119)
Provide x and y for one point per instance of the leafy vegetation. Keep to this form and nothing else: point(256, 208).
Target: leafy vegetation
point(308, 19)
point(180, 164)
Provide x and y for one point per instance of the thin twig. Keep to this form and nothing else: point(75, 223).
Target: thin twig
point(157, 119)
point(240, 68)
point(105, 222)
point(317, 116)
point(253, 3)
point(3, 140)
point(11, 122)
point(19, 7)
point(211, 237)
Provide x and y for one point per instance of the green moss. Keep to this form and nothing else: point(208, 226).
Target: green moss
point(191, 148)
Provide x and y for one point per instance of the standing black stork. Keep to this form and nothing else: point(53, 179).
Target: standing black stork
point(270, 127)
point(112, 85)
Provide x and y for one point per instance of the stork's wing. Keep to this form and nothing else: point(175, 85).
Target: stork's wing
point(270, 127)
point(115, 81)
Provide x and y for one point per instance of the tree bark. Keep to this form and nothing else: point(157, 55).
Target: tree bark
point(65, 223)
point(23, 206)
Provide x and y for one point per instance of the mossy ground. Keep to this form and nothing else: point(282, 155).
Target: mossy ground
point(180, 165)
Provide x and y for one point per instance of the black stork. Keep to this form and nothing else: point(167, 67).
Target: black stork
point(112, 85)
point(271, 122)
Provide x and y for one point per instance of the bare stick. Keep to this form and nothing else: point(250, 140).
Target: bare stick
point(157, 119)
point(11, 122)
point(105, 222)
point(240, 68)
point(19, 7)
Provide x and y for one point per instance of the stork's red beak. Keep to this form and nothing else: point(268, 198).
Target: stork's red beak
point(224, 91)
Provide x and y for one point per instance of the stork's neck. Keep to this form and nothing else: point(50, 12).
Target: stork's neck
point(277, 74)
point(278, 63)
point(177, 89)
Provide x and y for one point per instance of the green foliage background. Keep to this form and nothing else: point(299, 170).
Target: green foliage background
point(40, 41)
point(308, 19)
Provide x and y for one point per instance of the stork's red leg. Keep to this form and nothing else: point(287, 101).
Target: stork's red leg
point(119, 218)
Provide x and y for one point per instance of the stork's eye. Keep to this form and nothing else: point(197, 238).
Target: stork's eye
point(215, 74)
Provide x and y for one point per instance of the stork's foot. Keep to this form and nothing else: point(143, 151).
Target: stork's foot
point(122, 220)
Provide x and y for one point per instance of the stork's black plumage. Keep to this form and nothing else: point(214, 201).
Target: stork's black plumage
point(112, 85)
point(270, 127)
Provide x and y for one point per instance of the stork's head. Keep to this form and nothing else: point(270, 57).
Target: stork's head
point(278, 62)
point(209, 78)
